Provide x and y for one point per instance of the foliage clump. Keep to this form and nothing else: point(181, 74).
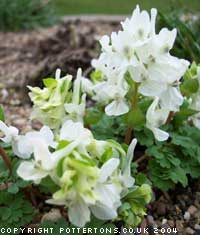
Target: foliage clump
point(25, 14)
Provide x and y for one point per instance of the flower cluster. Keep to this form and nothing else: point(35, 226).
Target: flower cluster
point(91, 175)
point(56, 102)
point(138, 51)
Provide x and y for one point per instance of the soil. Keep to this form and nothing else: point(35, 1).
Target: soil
point(27, 57)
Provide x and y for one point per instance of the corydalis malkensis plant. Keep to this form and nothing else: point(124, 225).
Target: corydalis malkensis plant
point(93, 176)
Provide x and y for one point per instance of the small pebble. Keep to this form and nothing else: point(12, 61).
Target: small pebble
point(187, 216)
point(164, 221)
point(54, 215)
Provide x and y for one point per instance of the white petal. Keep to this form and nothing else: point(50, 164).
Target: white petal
point(108, 168)
point(9, 132)
point(159, 134)
point(155, 118)
point(48, 135)
point(42, 154)
point(77, 87)
point(111, 192)
point(163, 42)
point(87, 86)
point(27, 171)
point(152, 88)
point(167, 69)
point(79, 213)
point(70, 108)
point(58, 73)
point(103, 212)
point(23, 147)
point(70, 130)
point(135, 72)
point(57, 155)
point(171, 99)
point(153, 20)
point(105, 43)
point(56, 202)
point(128, 180)
point(117, 108)
point(75, 131)
point(151, 111)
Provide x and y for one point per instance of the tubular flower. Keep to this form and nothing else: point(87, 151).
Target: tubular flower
point(76, 108)
point(156, 117)
point(48, 102)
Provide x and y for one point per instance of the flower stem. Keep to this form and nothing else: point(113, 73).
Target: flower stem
point(142, 158)
point(128, 135)
point(134, 102)
point(170, 117)
point(135, 96)
point(6, 159)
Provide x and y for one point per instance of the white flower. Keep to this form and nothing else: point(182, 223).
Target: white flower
point(25, 143)
point(79, 213)
point(124, 44)
point(75, 132)
point(112, 65)
point(11, 133)
point(76, 109)
point(171, 99)
point(72, 131)
point(105, 44)
point(156, 63)
point(41, 166)
point(126, 177)
point(156, 117)
point(108, 192)
point(113, 95)
point(140, 25)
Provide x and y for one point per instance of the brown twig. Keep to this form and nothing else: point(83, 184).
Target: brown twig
point(142, 158)
point(128, 135)
point(28, 191)
point(6, 159)
point(171, 115)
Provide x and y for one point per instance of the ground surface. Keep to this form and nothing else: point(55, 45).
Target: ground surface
point(119, 6)
point(27, 57)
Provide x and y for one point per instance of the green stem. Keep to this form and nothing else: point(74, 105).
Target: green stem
point(134, 102)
